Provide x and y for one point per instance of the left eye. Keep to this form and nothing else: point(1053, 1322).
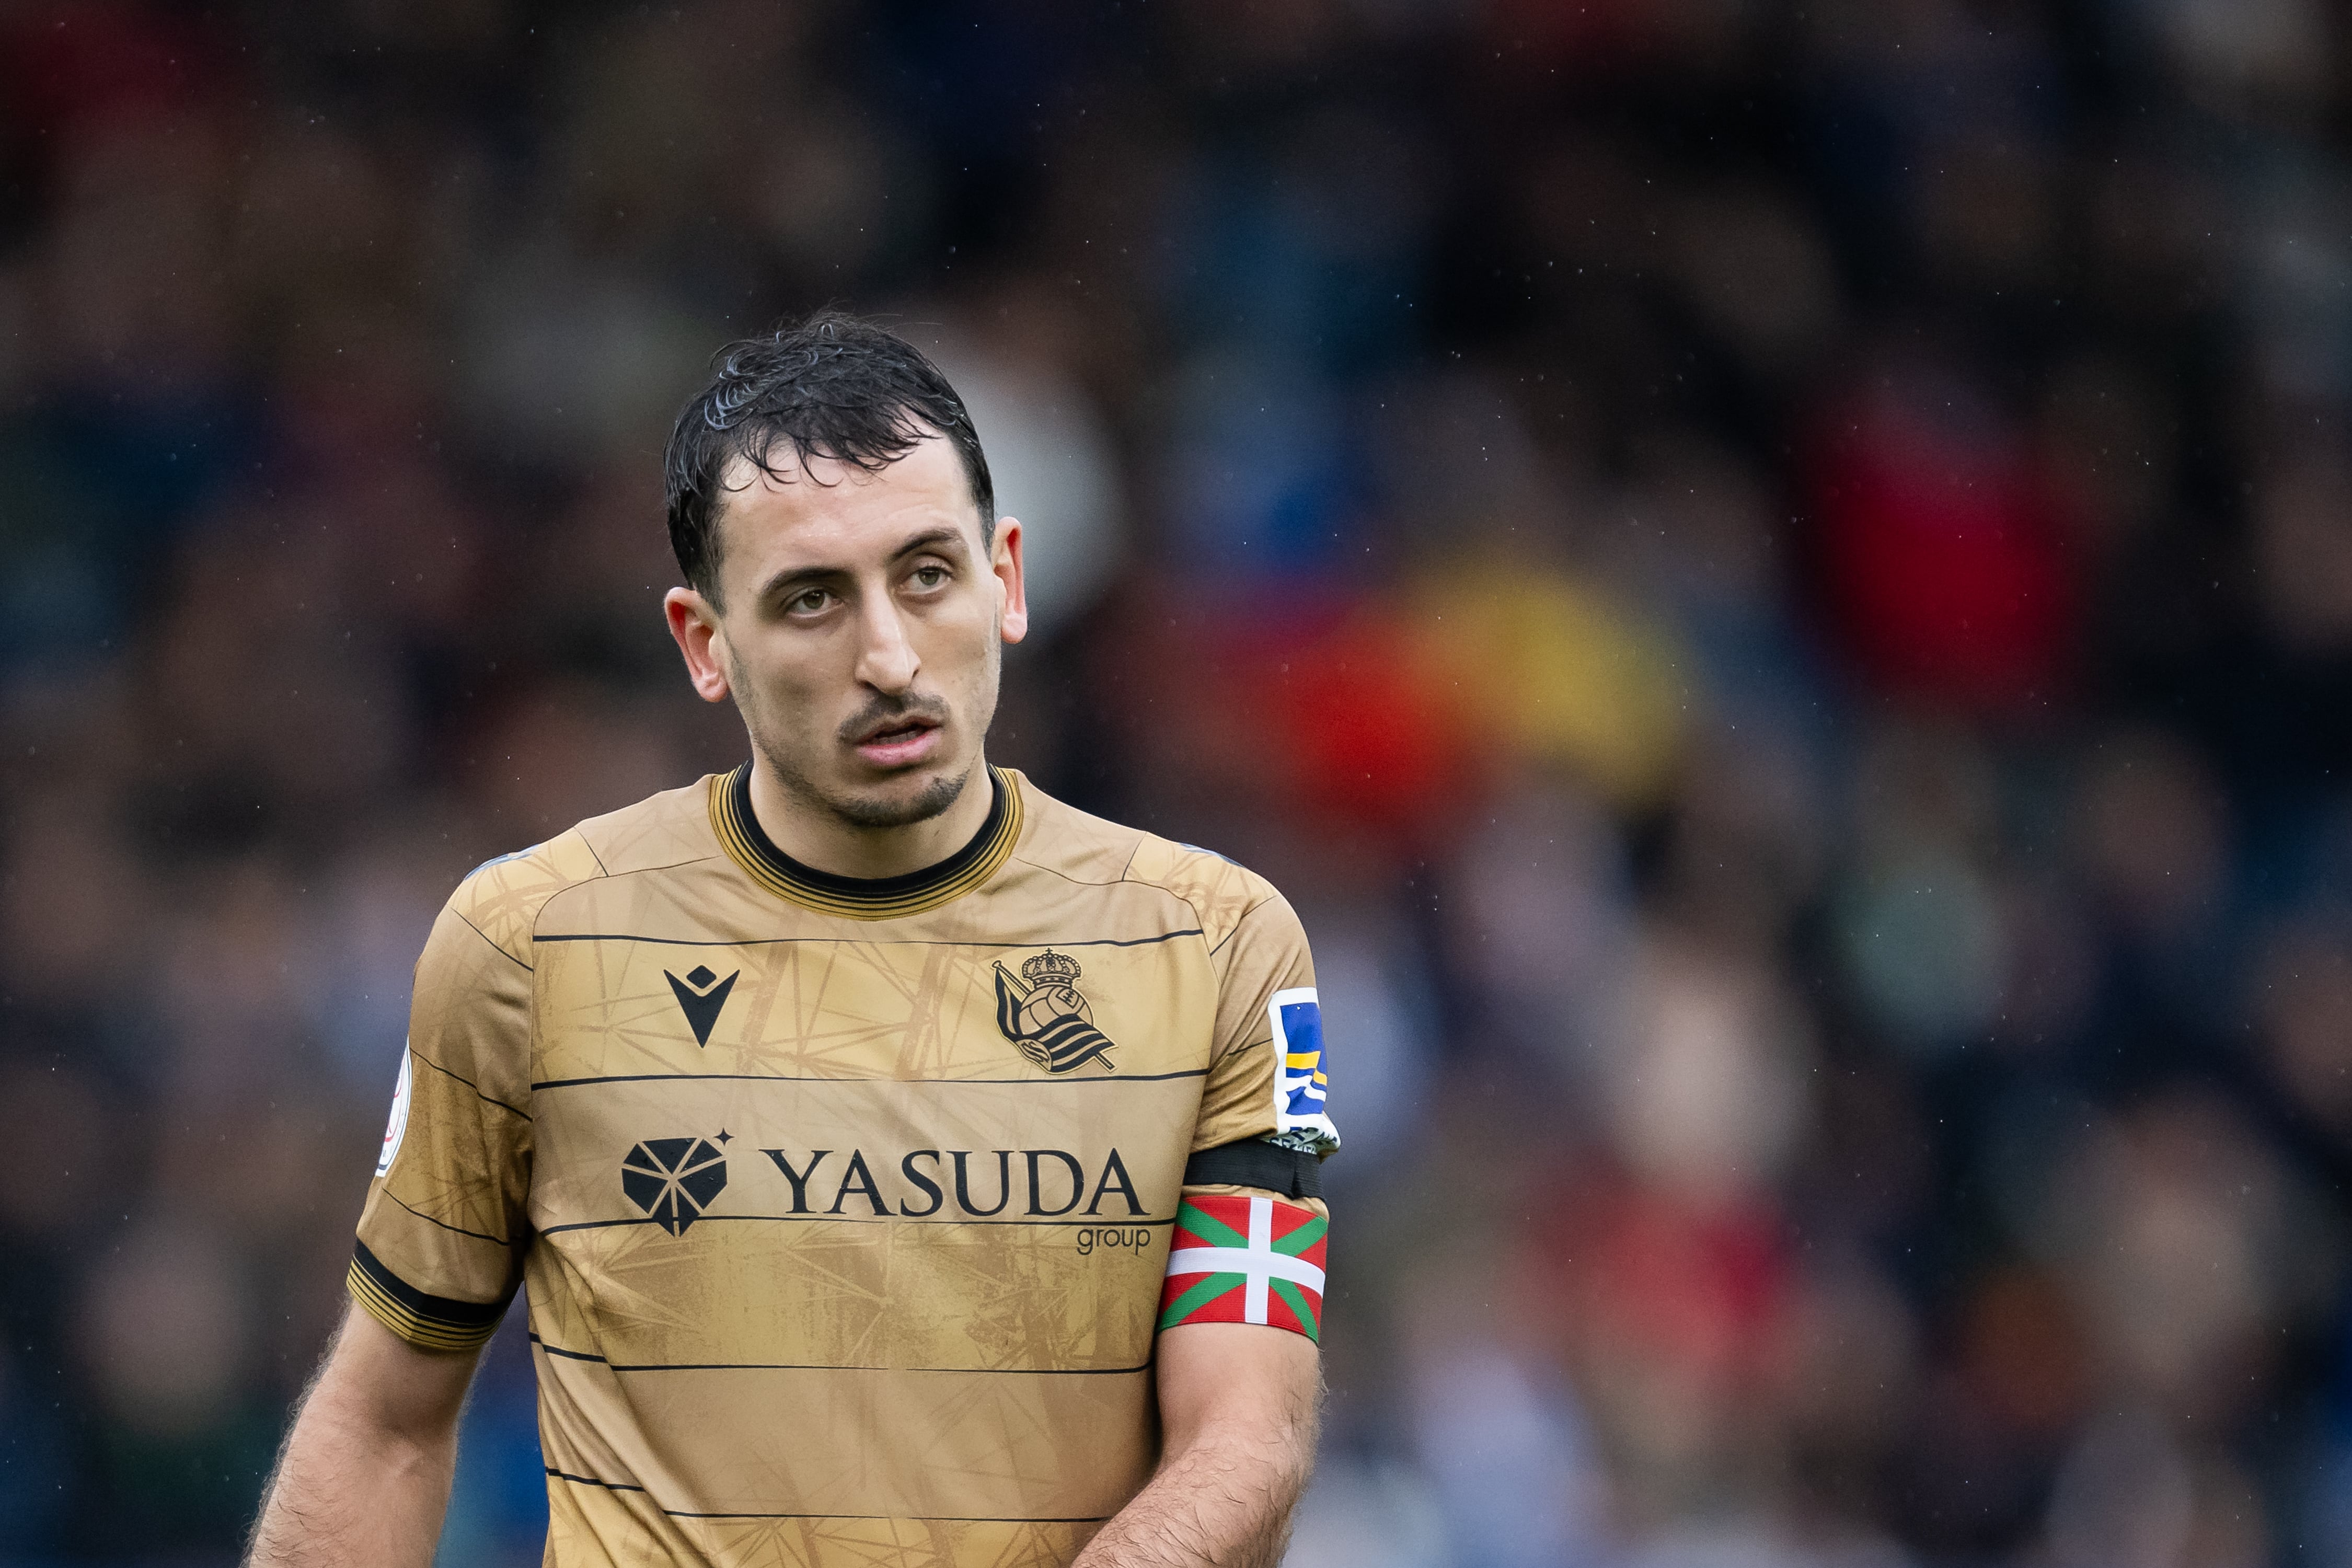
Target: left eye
point(930, 576)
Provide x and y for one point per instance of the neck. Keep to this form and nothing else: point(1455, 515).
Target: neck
point(819, 837)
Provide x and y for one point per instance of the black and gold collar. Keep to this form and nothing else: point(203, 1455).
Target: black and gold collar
point(863, 898)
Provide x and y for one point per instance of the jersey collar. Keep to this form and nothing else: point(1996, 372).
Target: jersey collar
point(863, 898)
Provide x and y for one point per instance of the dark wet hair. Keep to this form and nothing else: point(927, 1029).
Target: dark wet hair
point(833, 386)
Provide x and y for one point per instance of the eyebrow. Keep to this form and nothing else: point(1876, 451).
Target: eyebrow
point(793, 576)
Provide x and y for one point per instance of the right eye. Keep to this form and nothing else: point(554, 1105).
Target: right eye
point(808, 601)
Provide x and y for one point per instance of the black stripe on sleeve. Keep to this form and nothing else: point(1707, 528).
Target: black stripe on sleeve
point(435, 1322)
point(1254, 1163)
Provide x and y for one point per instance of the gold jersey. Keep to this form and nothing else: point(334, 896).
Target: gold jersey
point(842, 1207)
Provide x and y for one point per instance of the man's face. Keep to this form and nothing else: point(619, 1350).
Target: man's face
point(861, 627)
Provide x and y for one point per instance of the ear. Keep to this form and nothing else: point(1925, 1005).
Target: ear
point(694, 625)
point(1013, 612)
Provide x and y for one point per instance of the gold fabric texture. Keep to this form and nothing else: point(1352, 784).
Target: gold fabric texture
point(842, 1229)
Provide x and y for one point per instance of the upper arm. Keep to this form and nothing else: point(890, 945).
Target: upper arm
point(1268, 1072)
point(442, 1236)
point(376, 1380)
point(1248, 1245)
point(1238, 1382)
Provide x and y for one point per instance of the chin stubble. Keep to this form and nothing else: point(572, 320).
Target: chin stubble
point(866, 811)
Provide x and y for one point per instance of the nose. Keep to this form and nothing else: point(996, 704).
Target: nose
point(886, 659)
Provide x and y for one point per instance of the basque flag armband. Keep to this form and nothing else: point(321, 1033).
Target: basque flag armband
point(1245, 1260)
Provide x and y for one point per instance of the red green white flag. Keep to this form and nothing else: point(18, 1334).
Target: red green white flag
point(1245, 1260)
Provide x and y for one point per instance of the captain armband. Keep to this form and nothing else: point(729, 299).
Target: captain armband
point(1245, 1258)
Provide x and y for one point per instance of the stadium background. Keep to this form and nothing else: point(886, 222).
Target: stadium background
point(1775, 582)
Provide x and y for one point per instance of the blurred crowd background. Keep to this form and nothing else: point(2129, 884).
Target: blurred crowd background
point(1773, 579)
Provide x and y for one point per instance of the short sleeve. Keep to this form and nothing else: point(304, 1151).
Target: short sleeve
point(1268, 1076)
point(441, 1239)
point(1248, 1243)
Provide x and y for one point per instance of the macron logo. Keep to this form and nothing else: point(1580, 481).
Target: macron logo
point(700, 995)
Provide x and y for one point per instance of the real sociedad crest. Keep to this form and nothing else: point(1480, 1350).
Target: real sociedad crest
point(1040, 1011)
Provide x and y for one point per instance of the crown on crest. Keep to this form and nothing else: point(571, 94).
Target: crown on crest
point(1050, 968)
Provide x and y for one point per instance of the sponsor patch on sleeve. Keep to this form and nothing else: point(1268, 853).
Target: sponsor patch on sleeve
point(1245, 1260)
point(1301, 1118)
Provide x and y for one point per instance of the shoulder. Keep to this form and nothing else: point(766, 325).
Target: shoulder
point(503, 895)
point(1221, 893)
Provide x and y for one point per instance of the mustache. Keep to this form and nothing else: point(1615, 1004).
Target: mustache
point(885, 712)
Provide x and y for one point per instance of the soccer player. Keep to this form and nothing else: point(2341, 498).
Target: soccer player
point(903, 1167)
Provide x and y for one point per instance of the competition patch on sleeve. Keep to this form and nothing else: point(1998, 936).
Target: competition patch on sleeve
point(397, 1128)
point(1301, 1082)
point(1245, 1260)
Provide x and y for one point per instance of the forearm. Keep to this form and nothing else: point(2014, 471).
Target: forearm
point(1225, 1501)
point(1239, 1407)
point(358, 1484)
point(344, 1495)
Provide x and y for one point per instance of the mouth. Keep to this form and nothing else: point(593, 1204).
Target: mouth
point(897, 742)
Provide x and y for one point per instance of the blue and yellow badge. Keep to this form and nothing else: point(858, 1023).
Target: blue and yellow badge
point(1300, 1083)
